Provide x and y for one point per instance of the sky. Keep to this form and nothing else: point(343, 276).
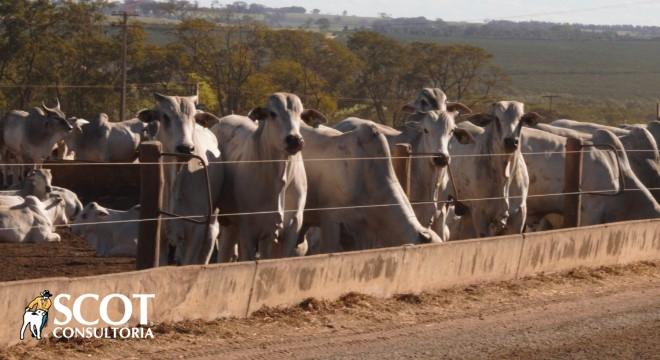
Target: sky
point(636, 12)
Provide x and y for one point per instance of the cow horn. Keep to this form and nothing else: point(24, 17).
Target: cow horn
point(58, 103)
point(457, 106)
point(43, 105)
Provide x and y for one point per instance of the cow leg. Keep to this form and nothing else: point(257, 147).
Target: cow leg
point(516, 222)
point(25, 325)
point(228, 240)
point(293, 223)
point(247, 242)
point(330, 237)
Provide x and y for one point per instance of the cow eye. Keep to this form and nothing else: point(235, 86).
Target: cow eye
point(273, 114)
point(426, 131)
point(84, 216)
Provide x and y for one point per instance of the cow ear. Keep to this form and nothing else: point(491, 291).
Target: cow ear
point(463, 136)
point(205, 119)
point(531, 118)
point(150, 130)
point(313, 117)
point(460, 108)
point(258, 113)
point(409, 108)
point(149, 115)
point(481, 119)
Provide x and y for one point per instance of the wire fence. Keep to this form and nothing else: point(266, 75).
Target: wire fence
point(220, 162)
point(335, 208)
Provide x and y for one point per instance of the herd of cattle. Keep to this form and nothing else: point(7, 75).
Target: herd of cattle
point(284, 184)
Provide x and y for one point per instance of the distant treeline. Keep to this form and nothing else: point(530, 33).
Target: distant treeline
point(47, 47)
point(419, 26)
point(532, 30)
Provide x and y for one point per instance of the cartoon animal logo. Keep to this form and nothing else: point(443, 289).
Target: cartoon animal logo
point(36, 314)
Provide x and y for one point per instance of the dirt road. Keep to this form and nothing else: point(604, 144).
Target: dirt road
point(612, 312)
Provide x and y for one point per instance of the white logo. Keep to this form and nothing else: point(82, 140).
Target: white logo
point(68, 309)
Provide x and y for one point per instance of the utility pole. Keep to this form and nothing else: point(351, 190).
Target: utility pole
point(124, 51)
point(550, 98)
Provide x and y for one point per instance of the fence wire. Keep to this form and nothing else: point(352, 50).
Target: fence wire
point(219, 162)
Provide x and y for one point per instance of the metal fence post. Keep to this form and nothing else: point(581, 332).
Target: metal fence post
point(151, 191)
point(401, 164)
point(572, 181)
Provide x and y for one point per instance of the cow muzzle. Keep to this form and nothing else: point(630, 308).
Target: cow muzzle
point(511, 144)
point(441, 160)
point(428, 236)
point(294, 143)
point(185, 149)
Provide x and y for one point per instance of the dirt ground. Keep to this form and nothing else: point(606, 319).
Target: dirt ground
point(611, 312)
point(69, 257)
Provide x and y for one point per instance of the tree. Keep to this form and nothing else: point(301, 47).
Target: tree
point(383, 67)
point(323, 24)
point(316, 11)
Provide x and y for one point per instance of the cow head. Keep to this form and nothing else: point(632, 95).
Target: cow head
point(280, 120)
point(55, 119)
point(176, 121)
point(38, 182)
point(428, 99)
point(436, 128)
point(507, 118)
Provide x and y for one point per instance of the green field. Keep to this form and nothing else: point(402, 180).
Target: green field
point(618, 80)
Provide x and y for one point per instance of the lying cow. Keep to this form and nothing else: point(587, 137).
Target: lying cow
point(37, 182)
point(270, 178)
point(109, 232)
point(105, 141)
point(26, 222)
point(29, 137)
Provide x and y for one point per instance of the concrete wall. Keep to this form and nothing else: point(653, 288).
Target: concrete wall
point(223, 290)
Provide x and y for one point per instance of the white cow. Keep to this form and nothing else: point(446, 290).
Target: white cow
point(109, 232)
point(178, 132)
point(190, 199)
point(29, 137)
point(26, 222)
point(367, 206)
point(490, 171)
point(266, 175)
point(37, 182)
point(639, 144)
point(635, 202)
point(428, 132)
point(32, 320)
point(105, 141)
point(544, 150)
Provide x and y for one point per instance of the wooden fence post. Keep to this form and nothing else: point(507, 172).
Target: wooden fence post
point(151, 191)
point(572, 181)
point(401, 164)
